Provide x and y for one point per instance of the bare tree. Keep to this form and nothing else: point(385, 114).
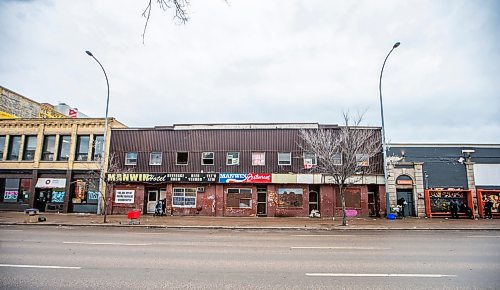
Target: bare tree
point(179, 6)
point(344, 153)
point(113, 166)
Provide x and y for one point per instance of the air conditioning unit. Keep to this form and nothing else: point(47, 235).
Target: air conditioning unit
point(201, 189)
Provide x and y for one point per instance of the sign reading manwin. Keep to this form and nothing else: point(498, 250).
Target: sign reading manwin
point(161, 177)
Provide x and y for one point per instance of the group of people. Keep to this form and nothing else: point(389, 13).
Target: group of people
point(456, 207)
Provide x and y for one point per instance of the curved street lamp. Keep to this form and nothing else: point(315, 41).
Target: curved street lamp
point(103, 157)
point(384, 145)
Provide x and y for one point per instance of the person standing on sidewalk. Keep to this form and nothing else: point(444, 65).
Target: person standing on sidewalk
point(402, 203)
point(488, 205)
point(454, 209)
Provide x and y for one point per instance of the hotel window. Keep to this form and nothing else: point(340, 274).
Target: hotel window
point(48, 149)
point(182, 158)
point(131, 158)
point(207, 158)
point(239, 197)
point(184, 197)
point(29, 147)
point(97, 147)
point(2, 146)
point(362, 159)
point(64, 146)
point(14, 147)
point(82, 148)
point(337, 159)
point(258, 158)
point(284, 158)
point(233, 158)
point(310, 159)
point(155, 158)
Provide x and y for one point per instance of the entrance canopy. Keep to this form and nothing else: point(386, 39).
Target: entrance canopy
point(51, 183)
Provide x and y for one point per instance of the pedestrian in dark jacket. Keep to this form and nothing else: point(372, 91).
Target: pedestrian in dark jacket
point(454, 209)
point(467, 210)
point(488, 205)
point(402, 203)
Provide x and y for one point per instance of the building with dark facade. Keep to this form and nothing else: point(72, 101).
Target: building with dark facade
point(229, 170)
point(430, 176)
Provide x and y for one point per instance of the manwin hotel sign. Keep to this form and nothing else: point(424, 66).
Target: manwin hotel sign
point(161, 177)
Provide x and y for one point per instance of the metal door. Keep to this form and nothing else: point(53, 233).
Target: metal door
point(152, 199)
point(262, 201)
point(372, 209)
point(407, 194)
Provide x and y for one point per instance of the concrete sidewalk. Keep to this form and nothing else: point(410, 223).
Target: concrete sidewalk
point(73, 219)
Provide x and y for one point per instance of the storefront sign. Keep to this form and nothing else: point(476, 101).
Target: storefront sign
point(245, 178)
point(57, 196)
point(404, 182)
point(92, 196)
point(51, 183)
point(161, 177)
point(124, 196)
point(10, 195)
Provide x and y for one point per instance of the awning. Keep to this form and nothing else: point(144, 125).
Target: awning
point(51, 183)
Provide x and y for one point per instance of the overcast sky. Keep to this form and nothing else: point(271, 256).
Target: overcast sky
point(265, 61)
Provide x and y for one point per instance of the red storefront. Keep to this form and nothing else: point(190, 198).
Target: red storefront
point(437, 201)
point(483, 195)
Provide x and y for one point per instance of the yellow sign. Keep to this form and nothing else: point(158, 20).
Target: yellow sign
point(4, 115)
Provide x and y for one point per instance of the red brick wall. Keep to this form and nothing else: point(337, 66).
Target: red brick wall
point(124, 208)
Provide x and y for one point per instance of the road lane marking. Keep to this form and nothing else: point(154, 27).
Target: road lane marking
point(39, 266)
point(322, 235)
point(339, 248)
point(378, 275)
point(483, 236)
point(106, 244)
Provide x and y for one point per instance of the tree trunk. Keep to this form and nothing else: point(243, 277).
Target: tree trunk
point(342, 196)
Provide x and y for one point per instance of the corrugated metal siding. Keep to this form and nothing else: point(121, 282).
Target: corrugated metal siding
point(270, 141)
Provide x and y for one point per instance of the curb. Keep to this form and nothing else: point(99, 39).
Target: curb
point(334, 228)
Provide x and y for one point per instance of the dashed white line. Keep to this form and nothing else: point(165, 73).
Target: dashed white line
point(377, 275)
point(39, 266)
point(338, 248)
point(322, 235)
point(483, 236)
point(106, 244)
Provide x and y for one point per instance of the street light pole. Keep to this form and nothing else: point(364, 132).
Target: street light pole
point(103, 157)
point(384, 145)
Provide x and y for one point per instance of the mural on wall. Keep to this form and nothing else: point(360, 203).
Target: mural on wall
point(290, 197)
point(440, 200)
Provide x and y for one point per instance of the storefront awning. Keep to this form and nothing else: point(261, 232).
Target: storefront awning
point(51, 183)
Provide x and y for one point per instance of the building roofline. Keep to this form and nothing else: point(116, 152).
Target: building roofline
point(447, 145)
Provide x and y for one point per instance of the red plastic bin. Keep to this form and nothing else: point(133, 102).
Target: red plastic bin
point(134, 215)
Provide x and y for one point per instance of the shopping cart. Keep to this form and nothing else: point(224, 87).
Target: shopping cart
point(134, 217)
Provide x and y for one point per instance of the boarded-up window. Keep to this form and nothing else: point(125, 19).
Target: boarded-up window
point(290, 197)
point(239, 197)
point(352, 198)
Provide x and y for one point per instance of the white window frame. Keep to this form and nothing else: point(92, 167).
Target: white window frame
point(239, 192)
point(181, 192)
point(263, 159)
point(289, 158)
point(203, 158)
point(151, 158)
point(177, 158)
point(310, 156)
point(230, 160)
point(127, 159)
point(363, 160)
point(336, 157)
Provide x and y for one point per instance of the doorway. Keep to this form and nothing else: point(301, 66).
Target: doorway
point(261, 201)
point(42, 196)
point(154, 195)
point(407, 194)
point(313, 201)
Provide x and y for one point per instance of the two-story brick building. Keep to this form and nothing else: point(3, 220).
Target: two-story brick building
point(230, 170)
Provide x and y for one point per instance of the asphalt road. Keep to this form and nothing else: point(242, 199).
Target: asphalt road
point(38, 257)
